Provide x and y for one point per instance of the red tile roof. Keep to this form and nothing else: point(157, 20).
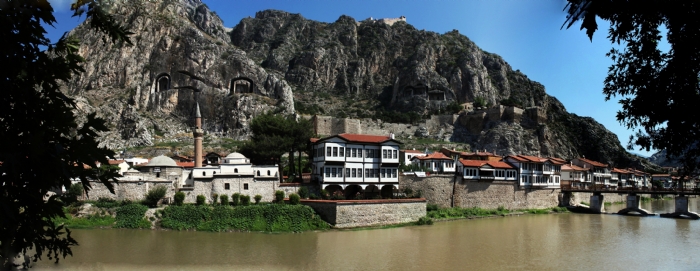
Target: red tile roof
point(433, 156)
point(364, 138)
point(557, 161)
point(528, 158)
point(500, 165)
point(115, 162)
point(593, 163)
point(472, 163)
point(660, 175)
point(572, 168)
point(185, 164)
point(619, 170)
point(314, 140)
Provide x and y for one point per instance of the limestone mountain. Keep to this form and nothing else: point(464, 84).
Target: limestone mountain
point(371, 69)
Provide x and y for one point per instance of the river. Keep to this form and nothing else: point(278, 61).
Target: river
point(527, 242)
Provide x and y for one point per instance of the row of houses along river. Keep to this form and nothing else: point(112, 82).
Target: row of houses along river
point(529, 242)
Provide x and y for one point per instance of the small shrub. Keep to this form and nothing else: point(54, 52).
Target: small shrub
point(132, 217)
point(224, 200)
point(201, 199)
point(425, 221)
point(408, 192)
point(313, 196)
point(154, 195)
point(257, 198)
point(294, 199)
point(501, 208)
point(303, 192)
point(214, 199)
point(107, 203)
point(418, 194)
point(431, 207)
point(279, 196)
point(325, 194)
point(179, 198)
point(338, 195)
point(236, 199)
point(560, 209)
point(245, 200)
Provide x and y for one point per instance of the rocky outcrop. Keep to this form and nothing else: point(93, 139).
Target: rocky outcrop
point(182, 54)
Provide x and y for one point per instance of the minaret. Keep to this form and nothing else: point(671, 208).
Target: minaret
point(198, 134)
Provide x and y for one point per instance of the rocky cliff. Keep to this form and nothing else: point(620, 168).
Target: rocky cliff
point(182, 53)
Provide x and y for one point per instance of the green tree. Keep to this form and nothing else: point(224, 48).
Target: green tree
point(274, 135)
point(43, 147)
point(658, 89)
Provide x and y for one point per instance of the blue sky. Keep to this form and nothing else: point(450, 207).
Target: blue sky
point(526, 34)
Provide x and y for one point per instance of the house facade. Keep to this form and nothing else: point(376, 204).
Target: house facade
point(599, 173)
point(536, 172)
point(359, 162)
point(407, 155)
point(436, 162)
point(479, 170)
point(574, 176)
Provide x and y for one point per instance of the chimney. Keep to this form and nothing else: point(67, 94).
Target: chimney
point(391, 135)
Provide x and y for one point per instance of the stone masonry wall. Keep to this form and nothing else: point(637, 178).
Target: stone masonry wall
point(263, 187)
point(325, 125)
point(133, 191)
point(438, 189)
point(351, 214)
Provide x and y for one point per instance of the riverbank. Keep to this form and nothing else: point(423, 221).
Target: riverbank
point(268, 217)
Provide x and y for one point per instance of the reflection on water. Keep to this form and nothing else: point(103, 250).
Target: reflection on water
point(531, 242)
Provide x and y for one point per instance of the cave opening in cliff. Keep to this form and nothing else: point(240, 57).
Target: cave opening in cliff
point(241, 85)
point(162, 82)
point(436, 95)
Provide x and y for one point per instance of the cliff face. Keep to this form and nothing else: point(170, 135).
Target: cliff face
point(182, 53)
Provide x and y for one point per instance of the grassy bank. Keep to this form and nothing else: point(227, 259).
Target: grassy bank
point(266, 218)
point(458, 212)
point(128, 216)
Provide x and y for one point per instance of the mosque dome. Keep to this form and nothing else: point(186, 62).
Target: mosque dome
point(236, 158)
point(161, 161)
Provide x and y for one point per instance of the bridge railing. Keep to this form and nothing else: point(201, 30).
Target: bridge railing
point(628, 189)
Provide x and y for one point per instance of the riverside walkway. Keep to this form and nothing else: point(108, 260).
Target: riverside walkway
point(634, 200)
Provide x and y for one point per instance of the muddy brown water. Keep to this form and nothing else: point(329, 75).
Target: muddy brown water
point(528, 242)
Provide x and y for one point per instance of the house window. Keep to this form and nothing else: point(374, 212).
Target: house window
point(384, 154)
point(347, 172)
point(383, 173)
point(258, 172)
point(368, 153)
point(227, 186)
point(245, 186)
point(158, 175)
point(367, 173)
point(354, 152)
point(396, 154)
point(204, 173)
point(394, 173)
point(334, 173)
point(328, 151)
point(359, 173)
point(268, 173)
point(235, 170)
point(335, 151)
point(376, 172)
point(328, 172)
point(354, 173)
point(342, 151)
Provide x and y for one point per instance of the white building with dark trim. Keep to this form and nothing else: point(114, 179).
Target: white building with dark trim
point(480, 170)
point(435, 162)
point(537, 172)
point(355, 163)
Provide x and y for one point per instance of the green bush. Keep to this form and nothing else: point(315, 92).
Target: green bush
point(91, 221)
point(201, 199)
point(214, 199)
point(154, 195)
point(303, 192)
point(431, 207)
point(245, 200)
point(224, 200)
point(236, 199)
point(457, 212)
point(74, 192)
point(313, 196)
point(107, 203)
point(560, 209)
point(424, 221)
point(257, 198)
point(294, 199)
point(279, 196)
point(131, 216)
point(338, 195)
point(325, 194)
point(268, 217)
point(179, 198)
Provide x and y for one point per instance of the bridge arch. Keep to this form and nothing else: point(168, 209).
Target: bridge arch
point(162, 82)
point(241, 85)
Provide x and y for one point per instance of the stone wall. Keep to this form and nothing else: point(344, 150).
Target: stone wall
point(443, 191)
point(365, 213)
point(325, 126)
point(263, 187)
point(128, 190)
